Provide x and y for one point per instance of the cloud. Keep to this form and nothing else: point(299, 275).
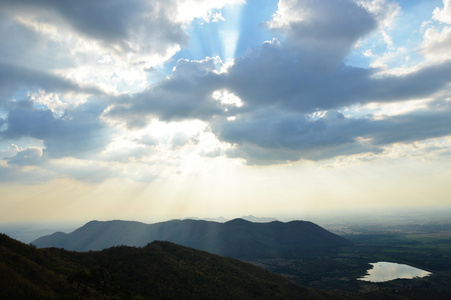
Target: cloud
point(270, 136)
point(24, 174)
point(135, 26)
point(327, 28)
point(290, 131)
point(207, 10)
point(384, 11)
point(143, 33)
point(77, 133)
point(288, 73)
point(271, 75)
point(437, 35)
point(26, 47)
point(281, 101)
point(185, 95)
point(27, 157)
point(14, 79)
point(106, 45)
point(443, 15)
point(274, 136)
point(436, 43)
point(414, 126)
point(274, 75)
point(280, 84)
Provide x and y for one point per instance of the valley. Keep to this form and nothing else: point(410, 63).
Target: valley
point(426, 246)
point(301, 252)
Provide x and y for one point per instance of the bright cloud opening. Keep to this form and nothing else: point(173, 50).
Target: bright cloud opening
point(227, 98)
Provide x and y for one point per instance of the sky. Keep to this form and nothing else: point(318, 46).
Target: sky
point(153, 110)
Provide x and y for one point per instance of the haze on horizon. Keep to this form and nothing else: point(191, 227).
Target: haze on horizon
point(153, 110)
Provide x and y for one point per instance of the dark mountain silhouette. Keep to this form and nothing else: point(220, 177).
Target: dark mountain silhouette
point(237, 238)
point(160, 270)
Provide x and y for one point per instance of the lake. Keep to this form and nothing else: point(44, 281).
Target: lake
point(386, 271)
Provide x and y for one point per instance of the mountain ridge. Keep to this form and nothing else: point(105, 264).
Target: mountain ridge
point(236, 238)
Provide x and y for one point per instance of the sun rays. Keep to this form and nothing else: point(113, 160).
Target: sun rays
point(204, 107)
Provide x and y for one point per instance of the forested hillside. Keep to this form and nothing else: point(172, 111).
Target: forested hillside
point(160, 270)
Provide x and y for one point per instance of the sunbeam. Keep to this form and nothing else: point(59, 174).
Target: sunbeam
point(230, 30)
point(201, 107)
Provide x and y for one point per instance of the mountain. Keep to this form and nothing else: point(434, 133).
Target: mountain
point(160, 270)
point(237, 238)
point(220, 219)
point(251, 218)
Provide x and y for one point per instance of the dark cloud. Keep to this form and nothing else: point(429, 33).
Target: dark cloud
point(289, 75)
point(290, 131)
point(412, 127)
point(114, 22)
point(326, 30)
point(255, 155)
point(274, 126)
point(274, 137)
point(186, 95)
point(77, 133)
point(23, 46)
point(282, 83)
point(423, 82)
point(14, 78)
point(27, 157)
point(24, 120)
point(28, 61)
point(274, 75)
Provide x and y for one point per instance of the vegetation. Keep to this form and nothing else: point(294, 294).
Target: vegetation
point(163, 270)
point(427, 247)
point(160, 270)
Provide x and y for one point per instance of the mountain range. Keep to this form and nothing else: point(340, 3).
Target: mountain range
point(307, 254)
point(237, 238)
point(159, 270)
